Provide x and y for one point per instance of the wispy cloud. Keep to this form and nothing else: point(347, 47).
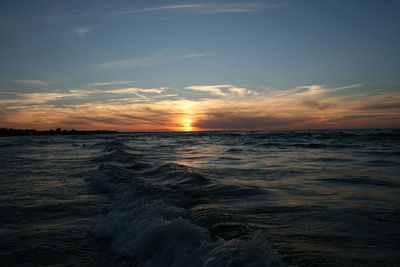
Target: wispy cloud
point(110, 83)
point(132, 62)
point(134, 90)
point(46, 97)
point(40, 98)
point(206, 8)
point(320, 89)
point(222, 90)
point(214, 89)
point(128, 90)
point(317, 97)
point(348, 86)
point(240, 7)
point(32, 82)
point(81, 31)
point(160, 8)
point(146, 61)
point(191, 55)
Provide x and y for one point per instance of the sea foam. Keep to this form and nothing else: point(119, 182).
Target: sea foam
point(149, 230)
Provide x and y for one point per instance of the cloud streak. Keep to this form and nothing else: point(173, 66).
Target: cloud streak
point(32, 82)
point(222, 90)
point(205, 8)
point(133, 90)
point(110, 83)
point(146, 61)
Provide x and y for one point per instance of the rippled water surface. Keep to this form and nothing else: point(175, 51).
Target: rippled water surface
point(307, 198)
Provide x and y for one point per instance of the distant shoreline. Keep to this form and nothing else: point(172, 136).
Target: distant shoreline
point(58, 131)
point(33, 132)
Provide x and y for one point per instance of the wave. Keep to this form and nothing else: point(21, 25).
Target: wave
point(7, 145)
point(118, 155)
point(386, 134)
point(234, 150)
point(381, 162)
point(285, 144)
point(332, 159)
point(384, 153)
point(360, 180)
point(342, 135)
point(109, 146)
point(152, 219)
point(152, 232)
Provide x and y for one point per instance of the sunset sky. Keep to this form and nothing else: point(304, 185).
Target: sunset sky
point(199, 65)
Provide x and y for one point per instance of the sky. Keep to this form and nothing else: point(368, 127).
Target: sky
point(199, 65)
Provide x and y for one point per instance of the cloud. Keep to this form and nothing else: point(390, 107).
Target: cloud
point(133, 90)
point(221, 90)
point(206, 8)
point(90, 96)
point(132, 62)
point(110, 83)
point(161, 8)
point(141, 116)
point(239, 7)
point(317, 97)
point(348, 86)
point(81, 31)
point(145, 61)
point(191, 55)
point(214, 89)
point(317, 89)
point(380, 106)
point(224, 120)
point(154, 90)
point(41, 98)
point(318, 105)
point(356, 117)
point(310, 89)
point(37, 98)
point(123, 91)
point(241, 91)
point(32, 82)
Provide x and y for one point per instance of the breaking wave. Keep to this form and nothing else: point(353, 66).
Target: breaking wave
point(152, 218)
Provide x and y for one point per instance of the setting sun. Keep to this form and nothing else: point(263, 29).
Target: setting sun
point(187, 125)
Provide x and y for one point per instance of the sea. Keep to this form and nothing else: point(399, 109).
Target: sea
point(265, 198)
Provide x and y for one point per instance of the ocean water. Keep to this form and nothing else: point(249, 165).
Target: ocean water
point(276, 198)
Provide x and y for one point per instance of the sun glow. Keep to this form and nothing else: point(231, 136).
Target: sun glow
point(187, 125)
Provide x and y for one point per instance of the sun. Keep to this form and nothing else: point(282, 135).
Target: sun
point(186, 125)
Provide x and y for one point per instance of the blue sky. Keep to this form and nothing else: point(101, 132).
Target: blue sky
point(111, 59)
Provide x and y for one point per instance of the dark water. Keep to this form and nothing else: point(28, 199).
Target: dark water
point(306, 198)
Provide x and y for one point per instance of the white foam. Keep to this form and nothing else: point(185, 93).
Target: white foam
point(150, 231)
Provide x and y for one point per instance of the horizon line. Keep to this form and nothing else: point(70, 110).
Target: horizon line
point(198, 131)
